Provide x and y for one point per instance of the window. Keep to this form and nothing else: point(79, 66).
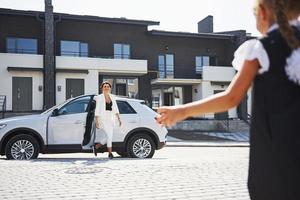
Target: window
point(21, 45)
point(122, 51)
point(125, 108)
point(155, 102)
point(170, 66)
point(161, 66)
point(200, 62)
point(76, 106)
point(73, 48)
point(156, 98)
point(178, 95)
point(131, 81)
point(166, 66)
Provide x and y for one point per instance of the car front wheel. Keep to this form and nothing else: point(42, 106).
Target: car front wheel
point(141, 146)
point(22, 147)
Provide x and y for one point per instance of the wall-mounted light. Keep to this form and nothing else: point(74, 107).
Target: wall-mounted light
point(166, 47)
point(195, 90)
point(40, 88)
point(59, 88)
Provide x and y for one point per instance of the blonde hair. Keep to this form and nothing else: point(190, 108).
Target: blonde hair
point(281, 9)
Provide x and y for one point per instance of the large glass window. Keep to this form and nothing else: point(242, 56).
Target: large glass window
point(200, 62)
point(122, 51)
point(166, 66)
point(73, 48)
point(21, 45)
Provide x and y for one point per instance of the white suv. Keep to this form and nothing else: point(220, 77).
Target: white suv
point(61, 130)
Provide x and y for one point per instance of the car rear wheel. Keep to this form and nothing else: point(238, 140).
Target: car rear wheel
point(22, 147)
point(141, 146)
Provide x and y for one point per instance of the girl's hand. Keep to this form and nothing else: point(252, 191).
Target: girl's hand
point(170, 115)
point(120, 123)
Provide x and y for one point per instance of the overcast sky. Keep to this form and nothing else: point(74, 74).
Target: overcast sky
point(173, 15)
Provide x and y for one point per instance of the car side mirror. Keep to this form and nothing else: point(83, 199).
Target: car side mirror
point(55, 112)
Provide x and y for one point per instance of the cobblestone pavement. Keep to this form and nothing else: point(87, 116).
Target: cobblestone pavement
point(173, 173)
point(209, 136)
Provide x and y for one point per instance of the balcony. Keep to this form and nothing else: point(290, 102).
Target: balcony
point(181, 77)
point(218, 73)
point(109, 66)
point(21, 60)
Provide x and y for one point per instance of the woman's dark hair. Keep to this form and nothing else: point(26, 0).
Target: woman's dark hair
point(104, 83)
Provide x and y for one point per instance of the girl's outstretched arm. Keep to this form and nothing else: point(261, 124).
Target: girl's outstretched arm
point(169, 115)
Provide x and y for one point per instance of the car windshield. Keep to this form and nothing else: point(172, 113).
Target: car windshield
point(58, 105)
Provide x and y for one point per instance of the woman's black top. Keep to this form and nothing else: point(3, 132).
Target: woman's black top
point(108, 106)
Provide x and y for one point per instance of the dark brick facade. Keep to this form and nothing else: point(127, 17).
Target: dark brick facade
point(27, 26)
point(102, 33)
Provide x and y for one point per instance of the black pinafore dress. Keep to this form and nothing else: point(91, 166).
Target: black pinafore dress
point(274, 169)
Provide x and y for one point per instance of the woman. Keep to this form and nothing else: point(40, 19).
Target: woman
point(105, 113)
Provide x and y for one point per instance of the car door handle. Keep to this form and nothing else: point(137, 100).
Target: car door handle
point(78, 122)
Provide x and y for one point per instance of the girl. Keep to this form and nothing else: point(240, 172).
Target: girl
point(272, 64)
point(105, 113)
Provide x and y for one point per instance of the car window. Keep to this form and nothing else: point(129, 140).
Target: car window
point(125, 108)
point(78, 105)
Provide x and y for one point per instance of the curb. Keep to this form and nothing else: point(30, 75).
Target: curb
point(207, 144)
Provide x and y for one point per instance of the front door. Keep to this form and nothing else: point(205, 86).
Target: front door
point(74, 88)
point(69, 126)
point(168, 99)
point(22, 94)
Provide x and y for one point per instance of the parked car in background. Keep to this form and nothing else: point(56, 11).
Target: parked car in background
point(61, 129)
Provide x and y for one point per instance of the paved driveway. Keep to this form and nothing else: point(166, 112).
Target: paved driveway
point(173, 173)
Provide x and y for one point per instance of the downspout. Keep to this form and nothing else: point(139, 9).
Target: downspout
point(49, 59)
point(47, 124)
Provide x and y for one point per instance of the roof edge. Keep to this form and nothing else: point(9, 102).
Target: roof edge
point(188, 34)
point(9, 11)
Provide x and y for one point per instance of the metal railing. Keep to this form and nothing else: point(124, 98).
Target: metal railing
point(22, 51)
point(86, 54)
point(78, 54)
point(3, 105)
point(74, 53)
point(226, 123)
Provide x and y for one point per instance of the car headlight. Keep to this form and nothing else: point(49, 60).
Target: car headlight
point(2, 126)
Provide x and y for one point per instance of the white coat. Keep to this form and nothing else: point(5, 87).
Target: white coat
point(107, 118)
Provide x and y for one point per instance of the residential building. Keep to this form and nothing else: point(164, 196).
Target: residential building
point(46, 58)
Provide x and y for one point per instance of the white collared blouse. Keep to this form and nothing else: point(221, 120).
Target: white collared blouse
point(253, 49)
